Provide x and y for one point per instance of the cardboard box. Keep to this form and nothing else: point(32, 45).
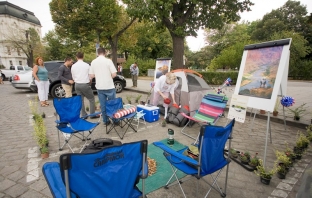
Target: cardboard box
point(151, 112)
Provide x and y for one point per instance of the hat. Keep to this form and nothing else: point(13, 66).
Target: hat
point(167, 101)
point(170, 78)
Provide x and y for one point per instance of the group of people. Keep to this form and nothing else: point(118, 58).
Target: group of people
point(80, 74)
point(103, 70)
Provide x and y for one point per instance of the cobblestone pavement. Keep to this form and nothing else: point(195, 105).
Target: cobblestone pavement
point(20, 163)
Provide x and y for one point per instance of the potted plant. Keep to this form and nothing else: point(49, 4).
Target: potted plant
point(290, 153)
point(138, 98)
point(163, 123)
point(254, 161)
point(44, 152)
point(309, 132)
point(262, 111)
point(298, 112)
point(277, 104)
point(281, 171)
point(43, 115)
point(243, 158)
point(247, 154)
point(233, 153)
point(128, 97)
point(265, 175)
point(283, 159)
point(302, 141)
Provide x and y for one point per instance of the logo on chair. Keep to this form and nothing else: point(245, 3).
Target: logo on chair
point(219, 133)
point(109, 157)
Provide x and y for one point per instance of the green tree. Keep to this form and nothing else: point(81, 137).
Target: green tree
point(91, 20)
point(183, 18)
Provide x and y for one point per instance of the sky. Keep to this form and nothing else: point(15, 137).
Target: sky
point(41, 10)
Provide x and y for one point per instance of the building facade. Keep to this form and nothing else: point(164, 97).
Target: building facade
point(14, 21)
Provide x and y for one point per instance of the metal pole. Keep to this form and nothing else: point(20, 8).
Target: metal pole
point(266, 139)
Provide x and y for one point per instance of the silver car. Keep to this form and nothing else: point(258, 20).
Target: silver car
point(22, 80)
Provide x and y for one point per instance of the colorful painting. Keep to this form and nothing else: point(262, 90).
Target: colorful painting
point(260, 72)
point(162, 67)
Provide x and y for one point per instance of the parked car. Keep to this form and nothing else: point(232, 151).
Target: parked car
point(56, 90)
point(14, 69)
point(22, 80)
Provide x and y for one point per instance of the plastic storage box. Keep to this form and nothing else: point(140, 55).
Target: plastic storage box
point(151, 112)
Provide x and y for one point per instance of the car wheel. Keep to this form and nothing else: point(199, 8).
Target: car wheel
point(118, 86)
point(57, 91)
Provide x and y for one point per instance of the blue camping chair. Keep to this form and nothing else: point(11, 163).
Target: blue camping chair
point(212, 140)
point(112, 107)
point(69, 123)
point(111, 172)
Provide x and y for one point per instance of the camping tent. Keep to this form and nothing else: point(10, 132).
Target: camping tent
point(190, 90)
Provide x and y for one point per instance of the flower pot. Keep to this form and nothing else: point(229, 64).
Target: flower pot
point(275, 113)
point(265, 180)
point(281, 175)
point(44, 155)
point(299, 156)
point(298, 150)
point(297, 118)
point(262, 111)
point(252, 166)
point(244, 161)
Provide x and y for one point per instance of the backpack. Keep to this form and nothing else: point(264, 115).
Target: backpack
point(172, 113)
point(99, 144)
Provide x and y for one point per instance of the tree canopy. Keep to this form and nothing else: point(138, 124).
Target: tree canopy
point(185, 17)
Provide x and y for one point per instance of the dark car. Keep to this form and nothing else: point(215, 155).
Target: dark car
point(56, 90)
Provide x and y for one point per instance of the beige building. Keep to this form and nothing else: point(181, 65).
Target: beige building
point(14, 21)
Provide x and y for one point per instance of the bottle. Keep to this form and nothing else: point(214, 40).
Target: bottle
point(170, 140)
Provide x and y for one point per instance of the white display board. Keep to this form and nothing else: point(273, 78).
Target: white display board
point(263, 71)
point(163, 66)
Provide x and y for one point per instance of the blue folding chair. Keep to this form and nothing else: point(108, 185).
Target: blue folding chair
point(212, 140)
point(69, 123)
point(112, 107)
point(111, 172)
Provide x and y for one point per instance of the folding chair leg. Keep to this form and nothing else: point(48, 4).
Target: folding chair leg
point(186, 133)
point(177, 180)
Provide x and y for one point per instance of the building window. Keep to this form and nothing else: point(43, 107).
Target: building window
point(20, 62)
point(9, 50)
point(11, 63)
point(18, 51)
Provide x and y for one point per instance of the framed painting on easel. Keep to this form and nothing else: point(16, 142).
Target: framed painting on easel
point(262, 72)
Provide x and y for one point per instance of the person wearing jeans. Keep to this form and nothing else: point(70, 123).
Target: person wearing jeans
point(103, 69)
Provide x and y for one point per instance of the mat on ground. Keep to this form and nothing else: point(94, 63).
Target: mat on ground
point(163, 171)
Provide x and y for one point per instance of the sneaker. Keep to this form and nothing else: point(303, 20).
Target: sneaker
point(95, 117)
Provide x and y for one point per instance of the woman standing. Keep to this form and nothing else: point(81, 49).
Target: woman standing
point(40, 74)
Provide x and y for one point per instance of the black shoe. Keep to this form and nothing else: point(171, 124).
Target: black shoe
point(94, 117)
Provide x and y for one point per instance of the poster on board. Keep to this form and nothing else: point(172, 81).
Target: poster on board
point(238, 108)
point(262, 71)
point(163, 66)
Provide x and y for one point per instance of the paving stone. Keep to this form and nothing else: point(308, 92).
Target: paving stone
point(17, 175)
point(16, 190)
point(284, 186)
point(290, 180)
point(279, 193)
point(5, 184)
point(8, 170)
point(39, 185)
point(33, 194)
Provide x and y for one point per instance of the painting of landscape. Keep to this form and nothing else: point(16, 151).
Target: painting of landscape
point(260, 72)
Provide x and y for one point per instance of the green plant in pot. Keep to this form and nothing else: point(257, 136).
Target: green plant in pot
point(283, 159)
point(302, 141)
point(44, 152)
point(233, 153)
point(290, 153)
point(298, 112)
point(138, 98)
point(243, 158)
point(281, 170)
point(163, 123)
point(128, 97)
point(309, 132)
point(264, 174)
point(254, 161)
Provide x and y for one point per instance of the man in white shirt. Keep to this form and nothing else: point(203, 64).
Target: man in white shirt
point(80, 74)
point(104, 71)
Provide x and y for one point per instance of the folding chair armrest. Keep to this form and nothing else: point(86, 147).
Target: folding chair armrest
point(52, 174)
point(176, 154)
point(145, 174)
point(94, 114)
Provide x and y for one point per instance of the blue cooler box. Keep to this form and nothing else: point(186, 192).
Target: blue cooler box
point(151, 112)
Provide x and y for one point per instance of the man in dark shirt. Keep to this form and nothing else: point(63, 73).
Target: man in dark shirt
point(64, 74)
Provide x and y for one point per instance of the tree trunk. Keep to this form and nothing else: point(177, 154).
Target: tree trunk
point(114, 43)
point(178, 52)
